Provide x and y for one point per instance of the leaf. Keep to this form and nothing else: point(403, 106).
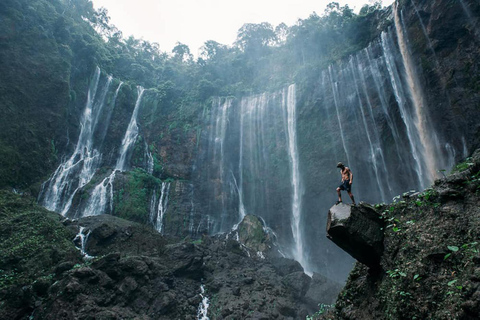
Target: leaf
point(447, 256)
point(403, 274)
point(417, 276)
point(451, 283)
point(453, 248)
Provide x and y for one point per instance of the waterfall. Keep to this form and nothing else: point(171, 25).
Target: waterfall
point(251, 166)
point(102, 194)
point(427, 148)
point(83, 238)
point(80, 167)
point(336, 98)
point(401, 101)
point(162, 207)
point(131, 134)
point(374, 154)
point(298, 252)
point(148, 156)
point(203, 306)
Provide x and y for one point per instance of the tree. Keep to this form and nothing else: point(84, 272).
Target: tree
point(254, 37)
point(181, 53)
point(212, 49)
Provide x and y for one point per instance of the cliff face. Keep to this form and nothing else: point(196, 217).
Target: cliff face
point(197, 165)
point(431, 261)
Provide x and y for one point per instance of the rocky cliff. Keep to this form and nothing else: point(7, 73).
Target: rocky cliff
point(431, 262)
point(396, 96)
point(109, 268)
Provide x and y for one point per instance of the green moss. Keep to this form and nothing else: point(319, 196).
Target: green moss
point(33, 240)
point(132, 200)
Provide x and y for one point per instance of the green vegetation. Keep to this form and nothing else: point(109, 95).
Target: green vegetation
point(133, 194)
point(52, 46)
point(33, 241)
point(431, 252)
point(323, 308)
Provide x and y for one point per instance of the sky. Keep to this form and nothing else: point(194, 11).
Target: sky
point(192, 22)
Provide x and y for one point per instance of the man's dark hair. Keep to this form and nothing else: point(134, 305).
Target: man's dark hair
point(340, 165)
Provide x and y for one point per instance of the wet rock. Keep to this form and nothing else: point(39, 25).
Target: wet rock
point(284, 266)
point(82, 273)
point(64, 266)
point(321, 290)
point(110, 234)
point(298, 282)
point(252, 235)
point(445, 195)
point(358, 230)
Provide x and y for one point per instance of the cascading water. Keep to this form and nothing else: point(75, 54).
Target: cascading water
point(102, 194)
point(156, 217)
point(149, 159)
point(82, 239)
point(79, 169)
point(427, 147)
point(202, 311)
point(252, 158)
point(130, 135)
point(298, 252)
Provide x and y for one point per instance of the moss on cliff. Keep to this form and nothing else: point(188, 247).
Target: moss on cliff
point(33, 240)
point(431, 263)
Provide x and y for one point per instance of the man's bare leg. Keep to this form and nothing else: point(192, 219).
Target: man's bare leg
point(351, 197)
point(339, 195)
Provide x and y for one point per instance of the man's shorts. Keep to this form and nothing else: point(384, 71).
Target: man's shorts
point(346, 186)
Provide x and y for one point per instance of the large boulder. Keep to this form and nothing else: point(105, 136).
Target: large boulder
point(358, 230)
point(251, 233)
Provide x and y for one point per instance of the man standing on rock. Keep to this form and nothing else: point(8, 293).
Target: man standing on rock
point(346, 185)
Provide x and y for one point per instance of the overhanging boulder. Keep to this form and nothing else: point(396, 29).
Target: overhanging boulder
point(358, 230)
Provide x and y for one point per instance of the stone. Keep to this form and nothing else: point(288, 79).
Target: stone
point(284, 266)
point(322, 291)
point(358, 230)
point(298, 282)
point(252, 235)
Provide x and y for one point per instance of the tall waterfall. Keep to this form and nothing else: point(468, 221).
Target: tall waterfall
point(375, 118)
point(80, 167)
point(252, 165)
point(427, 146)
point(102, 194)
point(298, 251)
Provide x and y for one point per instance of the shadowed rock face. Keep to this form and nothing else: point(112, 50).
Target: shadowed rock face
point(358, 230)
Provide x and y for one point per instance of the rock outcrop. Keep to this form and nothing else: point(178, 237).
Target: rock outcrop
point(358, 230)
point(431, 260)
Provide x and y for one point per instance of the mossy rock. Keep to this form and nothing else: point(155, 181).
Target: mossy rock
point(252, 234)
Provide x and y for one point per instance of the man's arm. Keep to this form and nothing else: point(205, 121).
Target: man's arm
point(351, 176)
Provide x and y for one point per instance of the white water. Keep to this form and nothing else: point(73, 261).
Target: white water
point(427, 148)
point(298, 251)
point(202, 313)
point(406, 117)
point(102, 194)
point(162, 206)
point(131, 134)
point(83, 242)
point(149, 157)
point(373, 148)
point(79, 169)
point(241, 206)
point(336, 98)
